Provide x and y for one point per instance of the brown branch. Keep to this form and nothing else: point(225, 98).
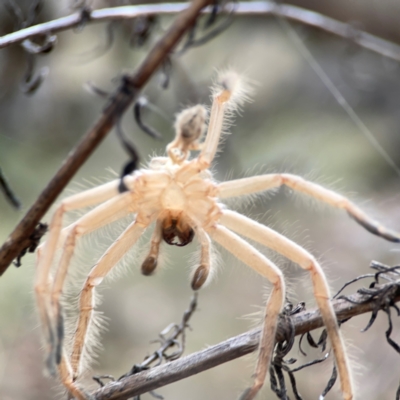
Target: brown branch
point(130, 87)
point(127, 92)
point(300, 15)
point(231, 349)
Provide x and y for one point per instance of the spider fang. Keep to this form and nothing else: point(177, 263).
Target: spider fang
point(175, 231)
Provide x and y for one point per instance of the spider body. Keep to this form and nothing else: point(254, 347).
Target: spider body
point(181, 198)
point(182, 194)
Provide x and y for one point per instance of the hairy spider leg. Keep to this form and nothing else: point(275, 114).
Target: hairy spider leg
point(260, 183)
point(46, 252)
point(265, 182)
point(100, 216)
point(150, 262)
point(202, 272)
point(254, 259)
point(228, 93)
point(275, 241)
point(87, 300)
point(69, 371)
point(214, 131)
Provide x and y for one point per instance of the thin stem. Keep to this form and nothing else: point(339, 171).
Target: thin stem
point(301, 15)
point(231, 349)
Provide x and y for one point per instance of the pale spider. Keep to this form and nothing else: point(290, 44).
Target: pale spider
point(183, 200)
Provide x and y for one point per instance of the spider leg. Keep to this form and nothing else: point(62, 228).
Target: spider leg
point(202, 272)
point(87, 300)
point(66, 378)
point(102, 215)
point(80, 200)
point(268, 237)
point(215, 125)
point(46, 251)
point(150, 263)
point(265, 182)
point(227, 92)
point(254, 259)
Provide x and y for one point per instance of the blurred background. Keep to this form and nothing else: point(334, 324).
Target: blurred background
point(293, 124)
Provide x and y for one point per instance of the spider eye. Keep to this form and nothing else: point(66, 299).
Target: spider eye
point(176, 232)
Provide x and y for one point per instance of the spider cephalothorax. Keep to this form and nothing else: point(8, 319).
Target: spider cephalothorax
point(179, 195)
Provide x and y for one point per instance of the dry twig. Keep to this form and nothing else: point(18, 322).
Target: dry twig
point(127, 92)
point(168, 339)
point(173, 336)
point(301, 15)
point(238, 346)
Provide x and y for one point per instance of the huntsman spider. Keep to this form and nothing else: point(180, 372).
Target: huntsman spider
point(180, 196)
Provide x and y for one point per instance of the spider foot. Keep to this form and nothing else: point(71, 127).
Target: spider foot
point(250, 392)
point(51, 365)
point(55, 344)
point(76, 393)
point(59, 337)
point(376, 229)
